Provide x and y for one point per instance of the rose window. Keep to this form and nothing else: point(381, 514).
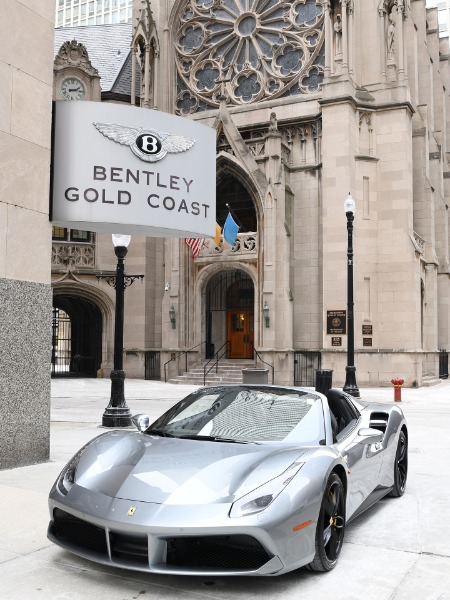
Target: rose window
point(248, 49)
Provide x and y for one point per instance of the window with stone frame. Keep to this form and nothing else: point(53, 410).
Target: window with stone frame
point(63, 234)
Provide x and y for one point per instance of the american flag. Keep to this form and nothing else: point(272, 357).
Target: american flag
point(195, 244)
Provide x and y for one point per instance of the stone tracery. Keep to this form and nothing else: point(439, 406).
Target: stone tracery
point(261, 49)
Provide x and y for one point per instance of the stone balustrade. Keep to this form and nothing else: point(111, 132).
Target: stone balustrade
point(246, 244)
point(73, 255)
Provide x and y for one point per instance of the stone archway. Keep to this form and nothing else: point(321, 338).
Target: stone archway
point(81, 329)
point(76, 337)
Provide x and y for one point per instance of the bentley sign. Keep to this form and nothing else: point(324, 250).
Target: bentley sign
point(122, 169)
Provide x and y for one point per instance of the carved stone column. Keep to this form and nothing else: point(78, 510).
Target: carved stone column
point(344, 37)
point(277, 247)
point(351, 41)
point(400, 44)
point(133, 77)
point(328, 39)
point(382, 30)
point(155, 77)
point(147, 77)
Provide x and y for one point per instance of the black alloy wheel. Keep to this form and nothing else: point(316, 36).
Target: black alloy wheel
point(400, 467)
point(330, 526)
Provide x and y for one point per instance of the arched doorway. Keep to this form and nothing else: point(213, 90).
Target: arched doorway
point(76, 337)
point(230, 299)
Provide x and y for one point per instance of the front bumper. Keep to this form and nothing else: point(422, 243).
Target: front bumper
point(154, 538)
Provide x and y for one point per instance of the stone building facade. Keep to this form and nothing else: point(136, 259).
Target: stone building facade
point(25, 290)
point(319, 99)
point(310, 100)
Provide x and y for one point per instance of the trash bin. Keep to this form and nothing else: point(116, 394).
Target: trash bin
point(443, 364)
point(255, 375)
point(324, 381)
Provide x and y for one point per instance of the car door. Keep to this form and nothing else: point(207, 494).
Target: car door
point(363, 460)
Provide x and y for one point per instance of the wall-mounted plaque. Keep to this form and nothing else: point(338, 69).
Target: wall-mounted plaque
point(336, 322)
point(367, 341)
point(367, 330)
point(336, 341)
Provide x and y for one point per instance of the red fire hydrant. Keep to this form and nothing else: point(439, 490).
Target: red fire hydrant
point(397, 383)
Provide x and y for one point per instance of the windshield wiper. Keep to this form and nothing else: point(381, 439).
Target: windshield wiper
point(233, 441)
point(215, 438)
point(159, 432)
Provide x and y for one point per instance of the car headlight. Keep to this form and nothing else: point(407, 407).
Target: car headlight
point(67, 476)
point(260, 498)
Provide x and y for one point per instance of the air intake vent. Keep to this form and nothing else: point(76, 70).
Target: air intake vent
point(378, 420)
point(128, 548)
point(79, 533)
point(217, 552)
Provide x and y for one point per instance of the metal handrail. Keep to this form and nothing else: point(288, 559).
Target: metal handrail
point(175, 356)
point(255, 351)
point(226, 345)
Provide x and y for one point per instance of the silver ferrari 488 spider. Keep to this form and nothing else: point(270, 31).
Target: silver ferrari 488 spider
point(233, 480)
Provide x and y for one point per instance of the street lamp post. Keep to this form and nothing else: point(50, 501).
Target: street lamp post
point(117, 413)
point(350, 385)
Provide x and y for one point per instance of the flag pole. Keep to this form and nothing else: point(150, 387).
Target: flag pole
point(233, 214)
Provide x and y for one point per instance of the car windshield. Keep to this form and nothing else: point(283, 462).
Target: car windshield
point(246, 414)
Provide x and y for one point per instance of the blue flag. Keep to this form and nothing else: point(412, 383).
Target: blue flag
point(230, 230)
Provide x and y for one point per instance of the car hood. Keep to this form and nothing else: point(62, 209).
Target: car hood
point(138, 467)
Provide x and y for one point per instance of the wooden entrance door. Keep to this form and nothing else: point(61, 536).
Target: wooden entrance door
point(240, 326)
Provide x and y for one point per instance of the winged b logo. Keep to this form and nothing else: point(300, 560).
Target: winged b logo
point(147, 144)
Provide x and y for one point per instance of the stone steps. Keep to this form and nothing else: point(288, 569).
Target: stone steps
point(430, 380)
point(228, 372)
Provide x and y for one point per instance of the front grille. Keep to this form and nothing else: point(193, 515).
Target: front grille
point(80, 533)
point(216, 552)
point(129, 548)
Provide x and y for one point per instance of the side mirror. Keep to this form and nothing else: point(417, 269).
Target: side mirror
point(141, 421)
point(369, 435)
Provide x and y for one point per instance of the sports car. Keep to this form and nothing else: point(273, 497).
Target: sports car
point(232, 480)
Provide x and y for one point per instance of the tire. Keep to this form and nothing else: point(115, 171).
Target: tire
point(330, 526)
point(400, 467)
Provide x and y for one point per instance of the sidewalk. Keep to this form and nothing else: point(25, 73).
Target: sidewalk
point(397, 550)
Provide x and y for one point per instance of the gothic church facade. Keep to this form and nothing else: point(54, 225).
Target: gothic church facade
point(310, 100)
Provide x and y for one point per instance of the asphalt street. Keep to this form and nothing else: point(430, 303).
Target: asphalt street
point(398, 549)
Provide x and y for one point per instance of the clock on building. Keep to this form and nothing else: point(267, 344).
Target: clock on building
point(72, 88)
